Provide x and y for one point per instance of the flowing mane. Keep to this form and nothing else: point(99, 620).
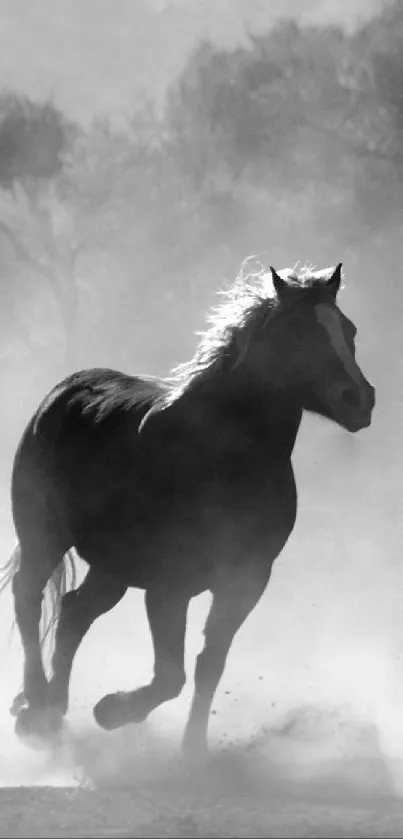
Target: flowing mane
point(247, 305)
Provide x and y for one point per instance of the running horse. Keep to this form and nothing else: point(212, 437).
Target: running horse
point(175, 486)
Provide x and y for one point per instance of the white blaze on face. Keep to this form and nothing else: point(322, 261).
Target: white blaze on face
point(330, 320)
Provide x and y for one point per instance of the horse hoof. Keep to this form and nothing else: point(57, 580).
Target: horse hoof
point(108, 712)
point(18, 702)
point(116, 710)
point(37, 727)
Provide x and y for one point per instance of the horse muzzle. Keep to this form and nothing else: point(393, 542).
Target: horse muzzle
point(355, 406)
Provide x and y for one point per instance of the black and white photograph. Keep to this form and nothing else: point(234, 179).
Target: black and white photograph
point(201, 424)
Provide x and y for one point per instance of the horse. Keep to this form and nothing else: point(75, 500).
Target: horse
point(176, 486)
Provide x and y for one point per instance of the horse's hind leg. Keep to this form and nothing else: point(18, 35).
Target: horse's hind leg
point(38, 560)
point(167, 617)
point(97, 594)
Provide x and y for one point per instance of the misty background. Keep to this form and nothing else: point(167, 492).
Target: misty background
point(145, 149)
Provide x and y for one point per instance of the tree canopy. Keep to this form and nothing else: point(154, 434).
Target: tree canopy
point(289, 145)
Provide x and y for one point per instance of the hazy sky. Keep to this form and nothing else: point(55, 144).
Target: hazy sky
point(94, 55)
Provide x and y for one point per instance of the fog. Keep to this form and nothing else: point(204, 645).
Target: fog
point(313, 689)
point(95, 57)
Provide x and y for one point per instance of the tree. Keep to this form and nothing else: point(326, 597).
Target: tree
point(35, 223)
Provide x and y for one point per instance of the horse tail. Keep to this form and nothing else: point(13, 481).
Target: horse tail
point(63, 579)
point(9, 570)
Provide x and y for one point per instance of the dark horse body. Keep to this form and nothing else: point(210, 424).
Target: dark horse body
point(176, 488)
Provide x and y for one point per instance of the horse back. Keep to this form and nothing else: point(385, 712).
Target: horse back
point(85, 430)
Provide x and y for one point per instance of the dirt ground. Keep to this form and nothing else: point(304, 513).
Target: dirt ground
point(317, 775)
point(64, 812)
point(237, 793)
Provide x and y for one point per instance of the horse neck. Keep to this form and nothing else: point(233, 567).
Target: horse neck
point(233, 408)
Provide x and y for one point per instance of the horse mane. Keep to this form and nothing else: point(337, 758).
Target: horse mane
point(247, 305)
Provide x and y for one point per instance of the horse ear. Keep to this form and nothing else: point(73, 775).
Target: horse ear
point(278, 283)
point(333, 284)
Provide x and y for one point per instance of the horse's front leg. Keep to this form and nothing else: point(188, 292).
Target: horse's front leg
point(229, 609)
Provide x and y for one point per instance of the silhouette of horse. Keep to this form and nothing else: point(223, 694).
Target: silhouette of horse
point(175, 486)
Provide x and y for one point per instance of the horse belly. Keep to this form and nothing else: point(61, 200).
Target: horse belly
point(150, 552)
point(191, 541)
